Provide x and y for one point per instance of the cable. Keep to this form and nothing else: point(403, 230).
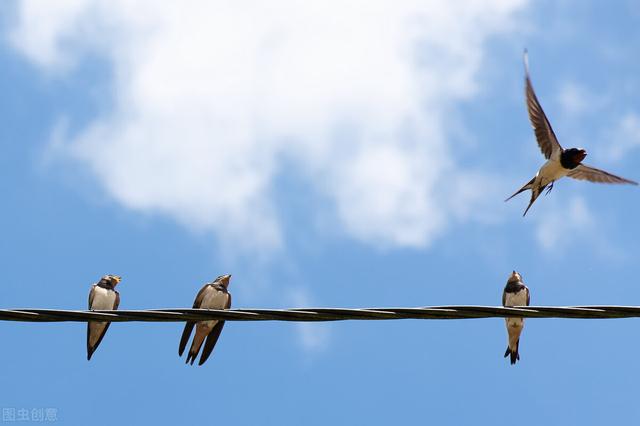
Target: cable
point(320, 314)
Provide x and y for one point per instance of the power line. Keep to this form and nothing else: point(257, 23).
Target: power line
point(320, 314)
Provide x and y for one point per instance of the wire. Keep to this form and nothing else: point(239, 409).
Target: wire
point(320, 314)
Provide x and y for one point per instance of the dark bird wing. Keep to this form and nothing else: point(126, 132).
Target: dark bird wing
point(211, 341)
point(188, 327)
point(504, 298)
point(547, 140)
point(528, 295)
point(584, 172)
point(212, 338)
point(91, 350)
point(117, 301)
point(91, 294)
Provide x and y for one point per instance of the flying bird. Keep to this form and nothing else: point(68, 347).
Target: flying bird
point(103, 296)
point(560, 162)
point(213, 295)
point(515, 294)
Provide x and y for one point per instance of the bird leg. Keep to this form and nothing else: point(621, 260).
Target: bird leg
point(549, 188)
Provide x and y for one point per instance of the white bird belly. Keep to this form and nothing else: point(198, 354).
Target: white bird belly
point(551, 171)
point(213, 300)
point(515, 325)
point(103, 298)
point(516, 299)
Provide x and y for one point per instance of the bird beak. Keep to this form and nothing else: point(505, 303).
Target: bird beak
point(514, 276)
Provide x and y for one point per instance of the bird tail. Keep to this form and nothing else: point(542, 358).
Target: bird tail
point(526, 186)
point(515, 355)
point(535, 193)
point(191, 356)
point(195, 346)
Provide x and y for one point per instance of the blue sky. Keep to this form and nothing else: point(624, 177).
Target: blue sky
point(331, 155)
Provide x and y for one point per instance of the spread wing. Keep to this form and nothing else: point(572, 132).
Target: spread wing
point(547, 140)
point(188, 327)
point(584, 172)
point(212, 338)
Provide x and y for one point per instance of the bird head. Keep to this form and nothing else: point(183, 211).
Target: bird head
point(514, 277)
point(577, 154)
point(223, 280)
point(111, 280)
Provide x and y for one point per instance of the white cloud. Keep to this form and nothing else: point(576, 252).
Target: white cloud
point(559, 229)
point(577, 100)
point(313, 337)
point(624, 138)
point(212, 99)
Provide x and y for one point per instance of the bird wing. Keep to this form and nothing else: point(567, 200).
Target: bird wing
point(116, 302)
point(200, 296)
point(547, 140)
point(210, 343)
point(528, 295)
point(504, 298)
point(186, 333)
point(188, 327)
point(584, 172)
point(92, 349)
point(92, 293)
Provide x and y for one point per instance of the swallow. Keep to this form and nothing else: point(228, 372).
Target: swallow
point(515, 294)
point(213, 295)
point(560, 162)
point(103, 296)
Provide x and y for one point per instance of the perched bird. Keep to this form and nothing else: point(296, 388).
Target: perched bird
point(515, 294)
point(213, 295)
point(102, 296)
point(560, 162)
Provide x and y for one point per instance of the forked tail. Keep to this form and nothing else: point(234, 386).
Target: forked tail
point(515, 355)
point(526, 186)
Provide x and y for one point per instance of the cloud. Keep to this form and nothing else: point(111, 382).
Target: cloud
point(624, 138)
point(313, 337)
point(558, 230)
point(576, 100)
point(212, 101)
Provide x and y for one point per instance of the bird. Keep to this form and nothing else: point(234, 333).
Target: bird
point(102, 296)
point(213, 295)
point(560, 162)
point(515, 294)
